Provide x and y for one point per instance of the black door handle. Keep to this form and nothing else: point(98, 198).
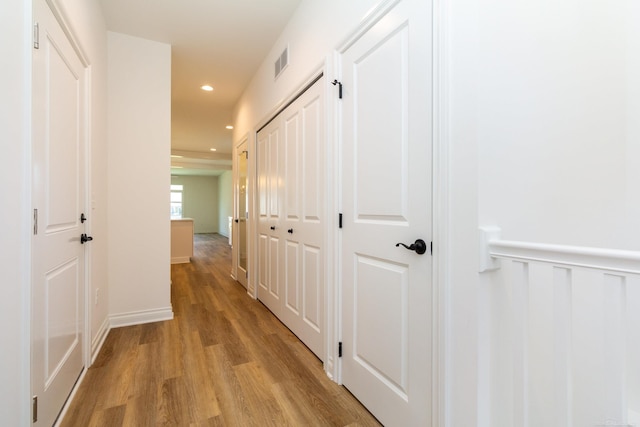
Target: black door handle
point(84, 238)
point(290, 231)
point(419, 246)
point(273, 227)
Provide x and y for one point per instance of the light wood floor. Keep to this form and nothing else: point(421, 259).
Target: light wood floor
point(224, 360)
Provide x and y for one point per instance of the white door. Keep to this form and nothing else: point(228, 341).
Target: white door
point(386, 288)
point(269, 213)
point(291, 165)
point(303, 219)
point(58, 196)
point(242, 211)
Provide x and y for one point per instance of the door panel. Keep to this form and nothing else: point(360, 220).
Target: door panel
point(295, 169)
point(269, 251)
point(58, 258)
point(380, 326)
point(386, 137)
point(313, 162)
point(292, 165)
point(292, 302)
point(312, 287)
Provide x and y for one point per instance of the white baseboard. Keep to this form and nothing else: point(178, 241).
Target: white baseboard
point(98, 340)
point(140, 317)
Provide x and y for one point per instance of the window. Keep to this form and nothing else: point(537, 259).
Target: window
point(176, 201)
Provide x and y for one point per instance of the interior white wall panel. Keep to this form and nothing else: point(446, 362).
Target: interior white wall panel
point(139, 179)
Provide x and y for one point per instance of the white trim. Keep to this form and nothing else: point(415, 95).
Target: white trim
point(295, 93)
point(252, 221)
point(140, 317)
point(235, 232)
point(98, 340)
point(441, 214)
point(615, 260)
point(86, 209)
point(333, 208)
point(60, 14)
point(375, 15)
point(27, 189)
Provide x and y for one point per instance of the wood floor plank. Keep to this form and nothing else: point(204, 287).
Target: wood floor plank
point(224, 360)
point(201, 390)
point(259, 395)
point(108, 417)
point(231, 397)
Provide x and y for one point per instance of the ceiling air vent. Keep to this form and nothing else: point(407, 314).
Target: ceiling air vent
point(282, 62)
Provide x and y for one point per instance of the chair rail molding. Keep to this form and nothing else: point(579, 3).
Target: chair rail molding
point(492, 249)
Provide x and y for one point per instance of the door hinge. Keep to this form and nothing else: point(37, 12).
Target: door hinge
point(34, 409)
point(35, 222)
point(336, 82)
point(36, 36)
point(432, 247)
point(339, 220)
point(340, 349)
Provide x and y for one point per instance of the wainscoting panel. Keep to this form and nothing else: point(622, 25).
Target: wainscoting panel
point(564, 335)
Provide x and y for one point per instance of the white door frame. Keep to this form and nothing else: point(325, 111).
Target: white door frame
point(235, 234)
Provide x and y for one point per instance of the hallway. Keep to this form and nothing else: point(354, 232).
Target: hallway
point(223, 360)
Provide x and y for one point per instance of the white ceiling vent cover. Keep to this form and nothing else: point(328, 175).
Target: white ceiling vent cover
point(282, 62)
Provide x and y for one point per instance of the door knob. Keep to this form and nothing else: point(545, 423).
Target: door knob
point(419, 246)
point(84, 238)
point(273, 227)
point(290, 231)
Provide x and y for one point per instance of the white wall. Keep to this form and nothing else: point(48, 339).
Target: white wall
point(200, 201)
point(544, 142)
point(139, 135)
point(15, 16)
point(558, 108)
point(315, 29)
point(225, 202)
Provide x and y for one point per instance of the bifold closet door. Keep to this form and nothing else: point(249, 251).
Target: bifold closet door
point(291, 165)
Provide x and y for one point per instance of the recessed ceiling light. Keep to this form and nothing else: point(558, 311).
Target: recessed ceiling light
point(229, 127)
point(208, 88)
point(213, 149)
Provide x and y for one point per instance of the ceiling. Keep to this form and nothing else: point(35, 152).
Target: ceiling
point(217, 42)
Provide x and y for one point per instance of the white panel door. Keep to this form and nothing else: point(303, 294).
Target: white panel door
point(303, 226)
point(291, 164)
point(386, 289)
point(58, 195)
point(269, 199)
